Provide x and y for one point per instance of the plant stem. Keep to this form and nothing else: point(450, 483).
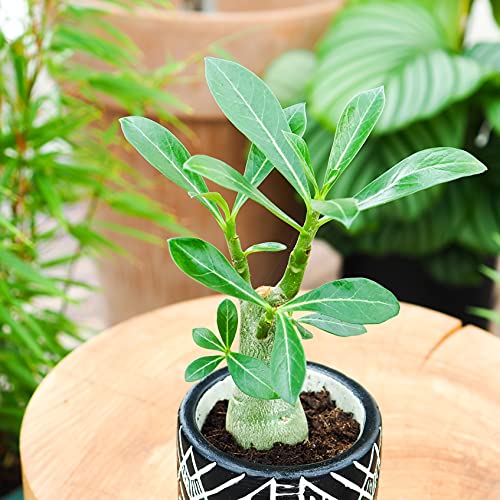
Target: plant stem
point(238, 257)
point(255, 422)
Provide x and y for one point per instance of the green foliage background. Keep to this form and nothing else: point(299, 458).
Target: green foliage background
point(439, 93)
point(55, 153)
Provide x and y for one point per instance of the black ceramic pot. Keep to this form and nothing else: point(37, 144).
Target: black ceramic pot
point(204, 472)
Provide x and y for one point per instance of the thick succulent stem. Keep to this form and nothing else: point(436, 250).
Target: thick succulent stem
point(255, 422)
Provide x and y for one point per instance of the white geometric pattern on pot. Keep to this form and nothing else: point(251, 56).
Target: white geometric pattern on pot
point(305, 490)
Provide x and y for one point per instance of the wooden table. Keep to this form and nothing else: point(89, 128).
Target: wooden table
point(102, 425)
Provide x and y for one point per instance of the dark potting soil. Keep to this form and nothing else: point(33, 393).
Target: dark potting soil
point(331, 432)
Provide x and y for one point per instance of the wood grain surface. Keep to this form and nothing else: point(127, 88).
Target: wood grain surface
point(102, 425)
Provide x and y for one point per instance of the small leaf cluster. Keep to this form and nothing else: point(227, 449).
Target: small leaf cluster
point(339, 307)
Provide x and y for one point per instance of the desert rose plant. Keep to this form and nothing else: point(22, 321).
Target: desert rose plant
point(269, 368)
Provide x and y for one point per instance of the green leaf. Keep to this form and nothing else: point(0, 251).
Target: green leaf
point(300, 148)
point(202, 367)
point(288, 360)
point(251, 375)
point(222, 174)
point(216, 198)
point(227, 322)
point(495, 6)
point(343, 210)
point(353, 300)
point(333, 325)
point(296, 118)
point(253, 109)
point(417, 172)
point(487, 54)
point(355, 125)
point(400, 45)
point(166, 153)
point(478, 230)
point(289, 74)
point(206, 339)
point(206, 264)
point(258, 167)
point(270, 246)
point(303, 332)
point(488, 314)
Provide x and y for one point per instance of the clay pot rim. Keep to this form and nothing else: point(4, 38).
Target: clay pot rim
point(363, 446)
point(238, 17)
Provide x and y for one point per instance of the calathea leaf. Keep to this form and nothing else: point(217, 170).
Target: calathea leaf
point(258, 167)
point(356, 122)
point(343, 210)
point(270, 246)
point(413, 59)
point(219, 172)
point(254, 110)
point(227, 322)
point(288, 360)
point(487, 54)
point(206, 339)
point(333, 325)
point(289, 74)
point(417, 172)
point(206, 264)
point(352, 300)
point(166, 153)
point(202, 367)
point(251, 375)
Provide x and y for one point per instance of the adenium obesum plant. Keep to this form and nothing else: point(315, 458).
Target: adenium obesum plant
point(269, 368)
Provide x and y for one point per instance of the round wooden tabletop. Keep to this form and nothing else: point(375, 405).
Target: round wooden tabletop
point(102, 425)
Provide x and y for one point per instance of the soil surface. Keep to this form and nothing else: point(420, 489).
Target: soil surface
point(331, 432)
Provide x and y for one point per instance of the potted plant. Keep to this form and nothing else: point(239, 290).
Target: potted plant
point(253, 33)
point(243, 432)
point(441, 91)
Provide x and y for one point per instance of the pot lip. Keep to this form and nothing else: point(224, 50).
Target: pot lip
point(318, 7)
point(363, 446)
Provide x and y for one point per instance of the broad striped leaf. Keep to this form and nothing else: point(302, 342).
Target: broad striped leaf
point(206, 264)
point(356, 122)
point(251, 375)
point(343, 210)
point(418, 172)
point(166, 153)
point(288, 360)
point(227, 322)
point(254, 110)
point(206, 339)
point(289, 74)
point(258, 167)
point(202, 367)
point(400, 45)
point(353, 300)
point(487, 54)
point(222, 174)
point(333, 325)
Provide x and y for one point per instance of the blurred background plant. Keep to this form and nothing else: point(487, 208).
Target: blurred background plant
point(441, 91)
point(56, 166)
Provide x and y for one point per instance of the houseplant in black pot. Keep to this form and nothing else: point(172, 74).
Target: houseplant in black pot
point(260, 443)
point(440, 92)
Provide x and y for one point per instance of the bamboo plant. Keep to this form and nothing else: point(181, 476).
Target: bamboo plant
point(58, 162)
point(269, 368)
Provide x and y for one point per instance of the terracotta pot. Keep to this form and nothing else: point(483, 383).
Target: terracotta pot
point(205, 471)
point(254, 33)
